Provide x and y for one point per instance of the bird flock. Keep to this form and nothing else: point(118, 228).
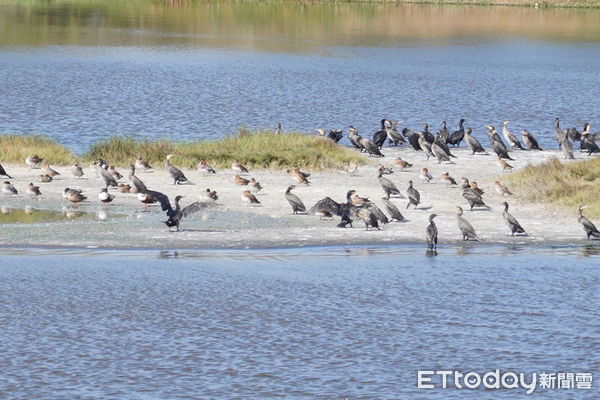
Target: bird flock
point(355, 207)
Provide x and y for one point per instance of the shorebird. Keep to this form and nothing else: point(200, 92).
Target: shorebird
point(501, 189)
point(34, 161)
point(474, 198)
point(138, 185)
point(389, 188)
point(510, 138)
point(473, 143)
point(44, 178)
point(76, 170)
point(248, 198)
point(32, 190)
point(530, 141)
point(352, 168)
point(295, 202)
point(176, 174)
point(8, 189)
point(205, 168)
point(108, 179)
point(142, 165)
point(104, 196)
point(239, 168)
point(391, 208)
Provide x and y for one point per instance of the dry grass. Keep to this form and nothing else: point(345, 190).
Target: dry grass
point(253, 149)
point(15, 148)
point(569, 185)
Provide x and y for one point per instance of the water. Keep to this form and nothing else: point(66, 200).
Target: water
point(80, 71)
point(315, 323)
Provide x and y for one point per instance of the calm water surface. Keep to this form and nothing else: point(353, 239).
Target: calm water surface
point(79, 71)
point(315, 323)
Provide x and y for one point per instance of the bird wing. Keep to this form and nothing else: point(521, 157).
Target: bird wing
point(326, 204)
point(139, 185)
point(378, 213)
point(162, 198)
point(193, 208)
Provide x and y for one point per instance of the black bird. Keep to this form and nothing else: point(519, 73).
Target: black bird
point(335, 135)
point(414, 197)
point(175, 215)
point(589, 228)
point(587, 141)
point(428, 136)
point(3, 172)
point(295, 202)
point(353, 136)
point(497, 144)
point(474, 198)
point(467, 230)
point(368, 217)
point(394, 212)
point(510, 138)
point(370, 147)
point(558, 133)
point(443, 134)
point(135, 181)
point(457, 136)
point(347, 211)
point(530, 140)
point(393, 135)
point(431, 233)
point(473, 143)
point(511, 221)
point(176, 174)
point(573, 134)
point(413, 138)
point(380, 136)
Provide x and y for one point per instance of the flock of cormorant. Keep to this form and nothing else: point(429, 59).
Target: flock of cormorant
point(355, 207)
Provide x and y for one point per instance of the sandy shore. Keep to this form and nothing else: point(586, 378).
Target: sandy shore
point(232, 224)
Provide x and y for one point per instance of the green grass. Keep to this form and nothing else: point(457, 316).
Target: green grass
point(15, 148)
point(253, 149)
point(568, 185)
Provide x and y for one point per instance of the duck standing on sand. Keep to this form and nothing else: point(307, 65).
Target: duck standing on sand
point(104, 196)
point(138, 185)
point(33, 190)
point(503, 164)
point(44, 178)
point(74, 196)
point(3, 172)
point(501, 189)
point(176, 174)
point(209, 196)
point(447, 179)
point(295, 202)
point(142, 165)
point(588, 226)
point(476, 188)
point(46, 170)
point(401, 163)
point(205, 168)
point(298, 176)
point(123, 188)
point(76, 170)
point(425, 176)
point(238, 180)
point(34, 161)
point(8, 189)
point(237, 167)
point(248, 198)
point(254, 186)
point(113, 171)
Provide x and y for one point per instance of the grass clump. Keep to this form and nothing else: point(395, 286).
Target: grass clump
point(253, 149)
point(15, 148)
point(569, 185)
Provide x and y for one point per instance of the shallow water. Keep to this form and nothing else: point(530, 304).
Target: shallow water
point(78, 71)
point(318, 323)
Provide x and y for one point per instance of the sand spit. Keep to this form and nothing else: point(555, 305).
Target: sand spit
point(230, 223)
